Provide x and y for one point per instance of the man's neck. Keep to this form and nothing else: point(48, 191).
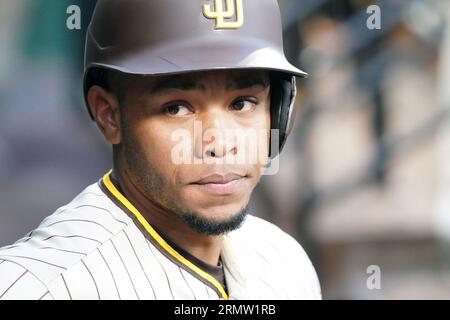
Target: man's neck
point(170, 225)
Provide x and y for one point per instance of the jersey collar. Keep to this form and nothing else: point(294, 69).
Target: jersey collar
point(169, 251)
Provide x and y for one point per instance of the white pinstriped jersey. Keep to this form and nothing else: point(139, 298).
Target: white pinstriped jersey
point(99, 247)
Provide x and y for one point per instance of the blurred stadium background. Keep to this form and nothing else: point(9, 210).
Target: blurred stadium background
point(364, 179)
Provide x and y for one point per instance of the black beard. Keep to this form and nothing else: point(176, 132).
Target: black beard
point(214, 228)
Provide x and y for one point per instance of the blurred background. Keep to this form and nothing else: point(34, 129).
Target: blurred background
point(364, 179)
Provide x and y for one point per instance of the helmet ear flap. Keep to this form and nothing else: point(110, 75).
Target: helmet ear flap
point(282, 112)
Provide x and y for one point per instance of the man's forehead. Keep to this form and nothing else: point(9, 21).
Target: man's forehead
point(232, 79)
point(230, 74)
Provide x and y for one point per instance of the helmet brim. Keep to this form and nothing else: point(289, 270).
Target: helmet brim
point(196, 55)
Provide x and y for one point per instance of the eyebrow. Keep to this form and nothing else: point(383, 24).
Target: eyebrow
point(189, 84)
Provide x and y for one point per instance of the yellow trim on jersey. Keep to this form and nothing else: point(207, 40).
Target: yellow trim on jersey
point(157, 237)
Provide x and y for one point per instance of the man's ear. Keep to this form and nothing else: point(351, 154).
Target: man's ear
point(104, 106)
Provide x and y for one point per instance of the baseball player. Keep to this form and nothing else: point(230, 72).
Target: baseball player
point(155, 227)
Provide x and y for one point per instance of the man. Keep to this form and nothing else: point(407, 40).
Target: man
point(174, 86)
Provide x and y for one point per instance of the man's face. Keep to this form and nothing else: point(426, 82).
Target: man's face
point(213, 109)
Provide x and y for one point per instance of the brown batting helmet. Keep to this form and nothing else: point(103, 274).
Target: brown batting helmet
point(163, 37)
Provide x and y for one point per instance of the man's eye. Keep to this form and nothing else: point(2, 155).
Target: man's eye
point(243, 105)
point(177, 110)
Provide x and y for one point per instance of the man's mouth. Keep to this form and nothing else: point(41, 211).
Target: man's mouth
point(222, 184)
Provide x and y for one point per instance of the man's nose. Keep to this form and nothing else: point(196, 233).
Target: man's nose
point(217, 137)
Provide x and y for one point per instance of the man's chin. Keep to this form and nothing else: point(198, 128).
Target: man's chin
point(214, 226)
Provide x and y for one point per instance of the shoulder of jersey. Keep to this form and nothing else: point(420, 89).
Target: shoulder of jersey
point(278, 255)
point(258, 235)
point(62, 240)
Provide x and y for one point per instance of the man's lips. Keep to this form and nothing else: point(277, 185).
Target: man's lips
point(220, 179)
point(221, 184)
